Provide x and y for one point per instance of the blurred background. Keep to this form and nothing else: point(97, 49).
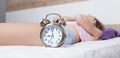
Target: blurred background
point(25, 4)
point(16, 5)
point(33, 11)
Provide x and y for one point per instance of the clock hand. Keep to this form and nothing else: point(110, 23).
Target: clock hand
point(51, 35)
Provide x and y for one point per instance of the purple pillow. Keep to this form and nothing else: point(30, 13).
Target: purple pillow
point(109, 33)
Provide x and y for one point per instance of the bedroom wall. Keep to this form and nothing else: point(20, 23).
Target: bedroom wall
point(107, 11)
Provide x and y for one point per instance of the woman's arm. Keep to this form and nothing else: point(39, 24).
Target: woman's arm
point(87, 23)
point(20, 34)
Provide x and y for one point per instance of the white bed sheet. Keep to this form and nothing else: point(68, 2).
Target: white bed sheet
point(92, 49)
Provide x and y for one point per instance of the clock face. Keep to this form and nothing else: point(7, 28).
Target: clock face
point(52, 35)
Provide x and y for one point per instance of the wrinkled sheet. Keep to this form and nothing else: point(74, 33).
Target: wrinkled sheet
point(91, 49)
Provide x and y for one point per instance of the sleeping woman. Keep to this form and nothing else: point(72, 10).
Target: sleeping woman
point(83, 28)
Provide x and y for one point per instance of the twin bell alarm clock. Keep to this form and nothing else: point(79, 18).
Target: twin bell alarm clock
point(52, 33)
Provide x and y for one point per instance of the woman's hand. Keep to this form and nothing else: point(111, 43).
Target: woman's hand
point(89, 17)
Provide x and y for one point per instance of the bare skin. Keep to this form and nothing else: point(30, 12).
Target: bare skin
point(20, 34)
point(29, 33)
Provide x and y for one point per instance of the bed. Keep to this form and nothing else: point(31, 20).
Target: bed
point(91, 49)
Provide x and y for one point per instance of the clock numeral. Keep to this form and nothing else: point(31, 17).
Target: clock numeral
point(60, 35)
point(48, 29)
point(59, 39)
point(48, 35)
point(45, 39)
point(48, 41)
point(44, 35)
point(52, 28)
point(46, 32)
point(51, 42)
point(56, 42)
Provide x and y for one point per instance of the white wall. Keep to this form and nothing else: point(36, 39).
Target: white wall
point(108, 11)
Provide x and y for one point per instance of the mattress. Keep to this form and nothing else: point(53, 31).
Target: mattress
point(91, 49)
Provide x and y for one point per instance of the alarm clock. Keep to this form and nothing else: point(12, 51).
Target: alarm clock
point(52, 33)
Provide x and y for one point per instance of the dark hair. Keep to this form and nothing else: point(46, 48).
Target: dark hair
point(99, 25)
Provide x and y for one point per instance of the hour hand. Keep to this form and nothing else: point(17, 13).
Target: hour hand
point(52, 33)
